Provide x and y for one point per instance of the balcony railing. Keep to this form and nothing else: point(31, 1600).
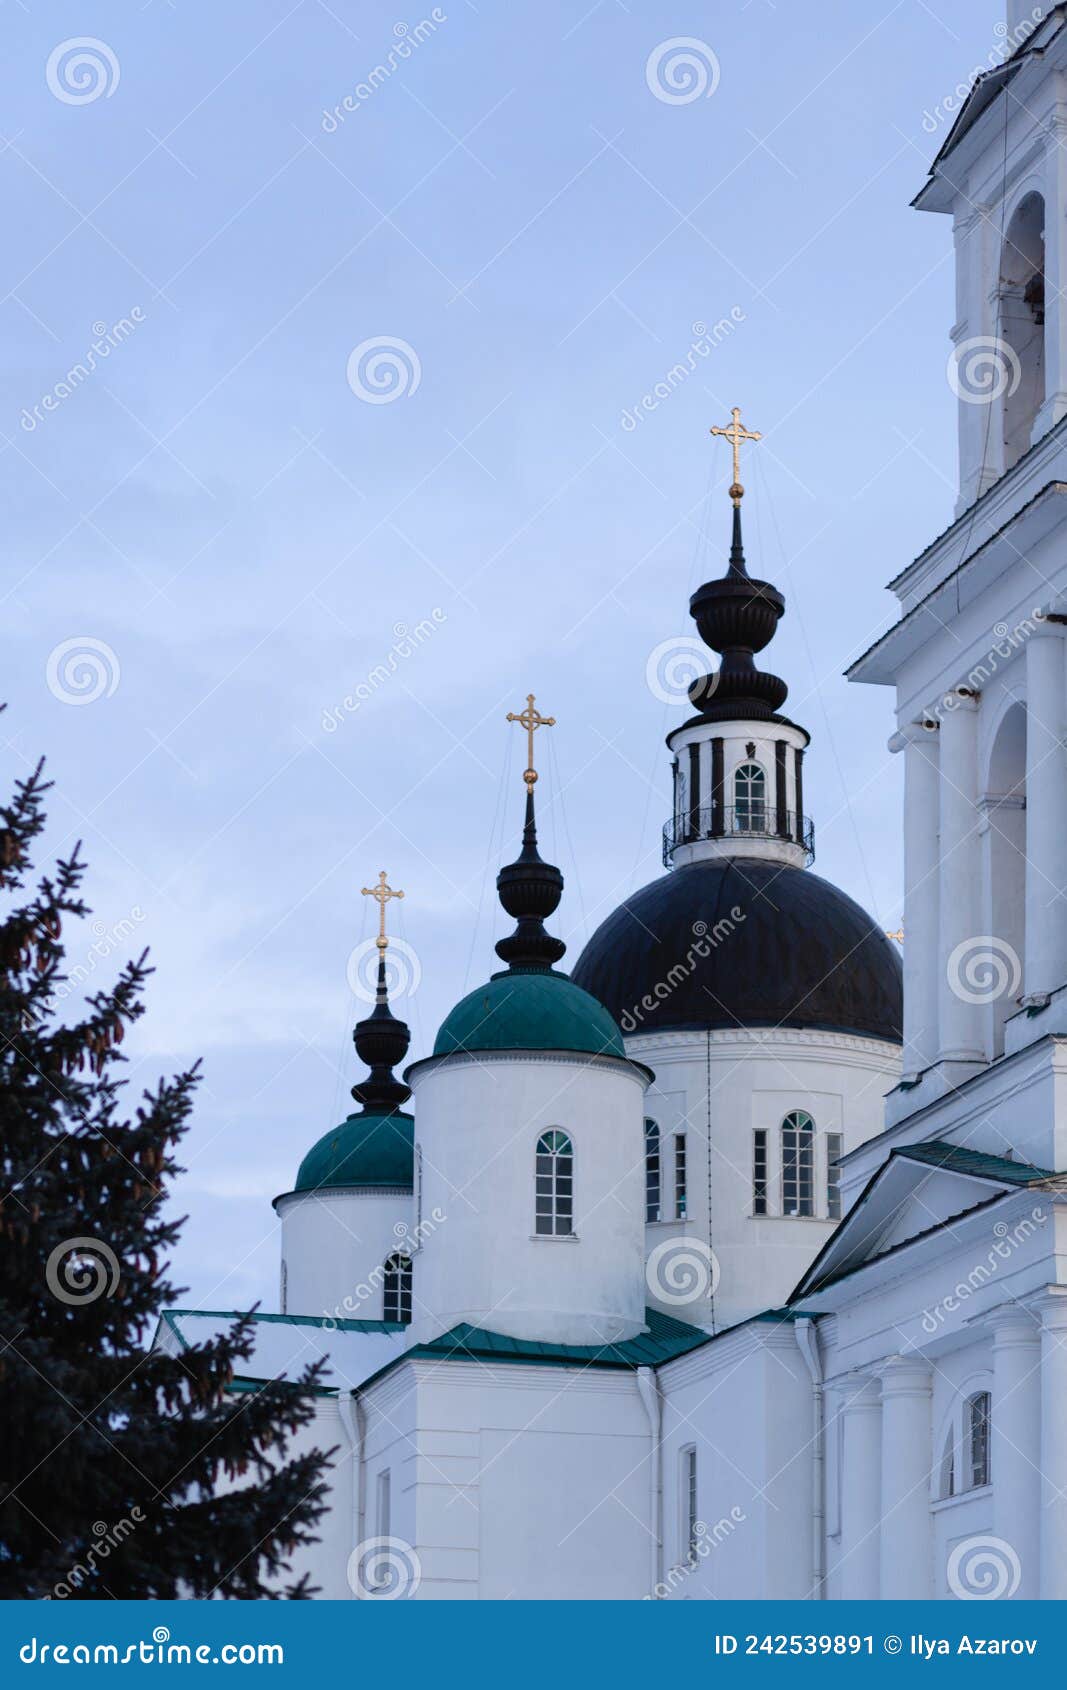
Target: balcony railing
point(738, 821)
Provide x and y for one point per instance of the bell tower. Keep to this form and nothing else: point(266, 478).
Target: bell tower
point(1001, 174)
point(738, 763)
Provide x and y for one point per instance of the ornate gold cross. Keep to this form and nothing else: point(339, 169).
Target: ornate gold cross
point(735, 434)
point(898, 935)
point(382, 893)
point(531, 719)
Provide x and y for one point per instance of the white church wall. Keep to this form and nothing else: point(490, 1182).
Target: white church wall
point(479, 1122)
point(744, 1404)
point(756, 1079)
point(523, 1481)
point(334, 1244)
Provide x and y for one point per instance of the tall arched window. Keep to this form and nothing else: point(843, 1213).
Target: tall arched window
point(798, 1164)
point(946, 1483)
point(396, 1288)
point(554, 1186)
point(977, 1434)
point(1018, 368)
point(750, 799)
point(653, 1173)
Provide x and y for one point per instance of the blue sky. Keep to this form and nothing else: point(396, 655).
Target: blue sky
point(239, 533)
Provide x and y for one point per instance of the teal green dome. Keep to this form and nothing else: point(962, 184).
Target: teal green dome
point(536, 1011)
point(371, 1149)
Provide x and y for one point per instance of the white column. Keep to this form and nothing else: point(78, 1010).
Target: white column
point(1015, 1455)
point(906, 1537)
point(960, 1007)
point(1045, 966)
point(921, 822)
point(1053, 1310)
point(980, 445)
point(1054, 130)
point(861, 1488)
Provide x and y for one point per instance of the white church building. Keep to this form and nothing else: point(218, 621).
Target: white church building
point(729, 1265)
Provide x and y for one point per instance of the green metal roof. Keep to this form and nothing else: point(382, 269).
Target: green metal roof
point(977, 1163)
point(365, 1150)
point(541, 1010)
point(666, 1339)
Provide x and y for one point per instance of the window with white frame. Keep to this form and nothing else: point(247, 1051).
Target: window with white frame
point(397, 1287)
point(653, 1173)
point(965, 1462)
point(759, 1171)
point(681, 1189)
point(690, 1515)
point(554, 1186)
point(798, 1164)
point(834, 1145)
point(384, 1503)
point(977, 1433)
point(946, 1478)
point(750, 799)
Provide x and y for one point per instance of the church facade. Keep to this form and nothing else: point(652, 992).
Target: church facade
point(728, 1265)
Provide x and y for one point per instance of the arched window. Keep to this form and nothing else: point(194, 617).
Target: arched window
point(946, 1482)
point(653, 1173)
point(798, 1164)
point(554, 1186)
point(396, 1288)
point(1019, 361)
point(690, 1533)
point(976, 1429)
point(750, 799)
point(834, 1142)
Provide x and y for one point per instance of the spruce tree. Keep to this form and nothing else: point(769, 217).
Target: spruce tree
point(117, 1463)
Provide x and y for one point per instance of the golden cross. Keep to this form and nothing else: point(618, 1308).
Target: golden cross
point(531, 719)
point(735, 434)
point(898, 935)
point(382, 894)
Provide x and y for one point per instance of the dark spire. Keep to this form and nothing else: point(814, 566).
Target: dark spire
point(737, 616)
point(530, 889)
point(381, 1042)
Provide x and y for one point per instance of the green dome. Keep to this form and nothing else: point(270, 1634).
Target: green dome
point(372, 1149)
point(536, 1011)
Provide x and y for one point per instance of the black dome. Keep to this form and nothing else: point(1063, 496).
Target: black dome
point(799, 954)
